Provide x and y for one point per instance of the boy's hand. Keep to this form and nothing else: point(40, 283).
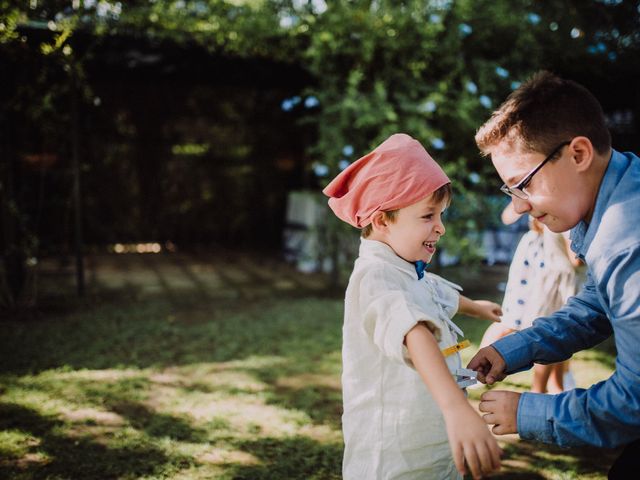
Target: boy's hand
point(488, 310)
point(471, 440)
point(489, 364)
point(502, 410)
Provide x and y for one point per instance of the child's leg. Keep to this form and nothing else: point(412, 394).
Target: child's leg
point(549, 378)
point(556, 379)
point(541, 375)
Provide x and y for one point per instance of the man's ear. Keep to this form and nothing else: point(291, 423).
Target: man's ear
point(582, 152)
point(379, 222)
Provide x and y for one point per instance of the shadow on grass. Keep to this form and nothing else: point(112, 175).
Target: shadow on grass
point(159, 425)
point(155, 334)
point(120, 396)
point(69, 457)
point(291, 458)
point(522, 458)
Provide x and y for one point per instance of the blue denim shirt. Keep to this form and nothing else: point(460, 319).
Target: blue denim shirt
point(608, 413)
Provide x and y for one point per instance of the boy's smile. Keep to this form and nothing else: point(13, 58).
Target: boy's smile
point(431, 247)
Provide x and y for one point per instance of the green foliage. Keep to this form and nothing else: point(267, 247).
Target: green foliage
point(433, 69)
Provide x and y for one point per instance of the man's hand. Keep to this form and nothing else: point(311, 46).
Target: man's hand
point(489, 364)
point(501, 409)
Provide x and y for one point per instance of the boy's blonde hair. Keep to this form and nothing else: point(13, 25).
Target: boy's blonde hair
point(543, 112)
point(444, 193)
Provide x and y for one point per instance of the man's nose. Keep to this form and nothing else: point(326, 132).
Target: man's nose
point(520, 206)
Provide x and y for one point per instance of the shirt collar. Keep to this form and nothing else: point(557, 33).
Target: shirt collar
point(382, 251)
point(583, 233)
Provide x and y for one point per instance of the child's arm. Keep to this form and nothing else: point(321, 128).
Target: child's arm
point(469, 436)
point(480, 308)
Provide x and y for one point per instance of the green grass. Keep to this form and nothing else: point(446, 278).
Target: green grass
point(188, 384)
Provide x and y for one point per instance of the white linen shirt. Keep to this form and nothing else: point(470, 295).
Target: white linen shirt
point(393, 429)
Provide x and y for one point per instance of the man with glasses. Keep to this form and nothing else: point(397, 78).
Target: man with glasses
point(550, 145)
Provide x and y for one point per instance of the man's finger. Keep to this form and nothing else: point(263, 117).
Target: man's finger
point(486, 406)
point(494, 375)
point(499, 429)
point(490, 395)
point(480, 370)
point(490, 418)
point(477, 361)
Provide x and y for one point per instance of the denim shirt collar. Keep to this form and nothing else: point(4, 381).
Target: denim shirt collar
point(583, 233)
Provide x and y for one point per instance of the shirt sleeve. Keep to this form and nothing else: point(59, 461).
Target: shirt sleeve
point(390, 314)
point(608, 413)
point(579, 325)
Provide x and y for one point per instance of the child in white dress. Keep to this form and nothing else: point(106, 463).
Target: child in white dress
point(542, 276)
point(400, 359)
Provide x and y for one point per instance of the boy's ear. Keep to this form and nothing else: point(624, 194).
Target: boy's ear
point(582, 152)
point(379, 221)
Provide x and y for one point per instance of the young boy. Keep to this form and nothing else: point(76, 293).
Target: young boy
point(399, 344)
point(550, 145)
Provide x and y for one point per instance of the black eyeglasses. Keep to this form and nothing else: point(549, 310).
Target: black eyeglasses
point(518, 190)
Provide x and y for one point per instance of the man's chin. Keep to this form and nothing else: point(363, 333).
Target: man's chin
point(556, 227)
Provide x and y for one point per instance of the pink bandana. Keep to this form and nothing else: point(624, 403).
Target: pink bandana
point(398, 173)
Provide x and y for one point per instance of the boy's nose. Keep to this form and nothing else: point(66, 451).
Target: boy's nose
point(440, 228)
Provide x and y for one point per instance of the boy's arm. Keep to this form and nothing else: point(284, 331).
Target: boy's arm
point(468, 435)
point(480, 308)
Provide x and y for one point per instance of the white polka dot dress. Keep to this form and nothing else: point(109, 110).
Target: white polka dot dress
point(541, 279)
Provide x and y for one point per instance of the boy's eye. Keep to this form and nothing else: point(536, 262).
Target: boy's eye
point(428, 216)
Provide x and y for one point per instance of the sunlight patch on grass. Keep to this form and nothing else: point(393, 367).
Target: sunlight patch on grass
point(245, 414)
point(92, 416)
point(44, 402)
point(15, 443)
point(219, 456)
point(309, 379)
point(63, 391)
point(28, 460)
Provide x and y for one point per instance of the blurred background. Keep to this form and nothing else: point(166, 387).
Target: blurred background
point(164, 242)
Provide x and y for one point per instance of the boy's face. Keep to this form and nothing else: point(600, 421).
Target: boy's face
point(416, 229)
point(557, 194)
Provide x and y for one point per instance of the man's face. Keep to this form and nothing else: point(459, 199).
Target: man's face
point(557, 195)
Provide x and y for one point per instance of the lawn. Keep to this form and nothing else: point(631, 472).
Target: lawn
point(215, 366)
